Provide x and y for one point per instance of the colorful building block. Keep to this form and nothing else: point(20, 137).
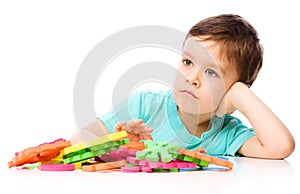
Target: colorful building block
point(197, 161)
point(94, 142)
point(135, 169)
point(163, 165)
point(42, 152)
point(134, 146)
point(115, 155)
point(161, 151)
point(205, 157)
point(93, 151)
point(103, 166)
point(57, 167)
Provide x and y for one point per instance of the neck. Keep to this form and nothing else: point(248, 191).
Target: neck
point(194, 123)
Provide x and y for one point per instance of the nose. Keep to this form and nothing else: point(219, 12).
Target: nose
point(193, 79)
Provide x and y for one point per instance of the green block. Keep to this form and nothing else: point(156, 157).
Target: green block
point(130, 164)
point(161, 151)
point(165, 170)
point(174, 170)
point(203, 163)
point(79, 157)
point(76, 153)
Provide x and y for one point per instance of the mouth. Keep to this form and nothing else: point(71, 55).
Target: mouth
point(189, 93)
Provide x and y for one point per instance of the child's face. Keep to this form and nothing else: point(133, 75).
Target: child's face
point(203, 77)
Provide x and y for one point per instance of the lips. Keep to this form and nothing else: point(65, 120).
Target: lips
point(189, 93)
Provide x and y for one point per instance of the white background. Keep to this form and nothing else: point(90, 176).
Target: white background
point(42, 45)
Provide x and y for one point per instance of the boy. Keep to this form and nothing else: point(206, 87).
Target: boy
point(220, 61)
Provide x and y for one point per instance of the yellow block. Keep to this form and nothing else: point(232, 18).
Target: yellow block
point(97, 141)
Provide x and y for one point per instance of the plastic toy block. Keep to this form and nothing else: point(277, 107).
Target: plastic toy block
point(78, 165)
point(33, 166)
point(205, 157)
point(110, 170)
point(103, 166)
point(76, 153)
point(79, 157)
point(164, 165)
point(91, 152)
point(94, 142)
point(128, 169)
point(88, 154)
point(135, 169)
point(104, 146)
point(130, 164)
point(201, 163)
point(116, 155)
point(134, 146)
point(122, 141)
point(42, 152)
point(161, 151)
point(57, 167)
point(165, 170)
point(57, 160)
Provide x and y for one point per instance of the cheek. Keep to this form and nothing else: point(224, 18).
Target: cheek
point(211, 95)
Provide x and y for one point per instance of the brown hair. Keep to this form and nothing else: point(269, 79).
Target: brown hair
point(237, 40)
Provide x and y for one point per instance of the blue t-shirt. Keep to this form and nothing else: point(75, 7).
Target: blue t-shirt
point(159, 111)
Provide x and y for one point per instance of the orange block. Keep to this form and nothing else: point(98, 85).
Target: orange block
point(104, 166)
point(205, 157)
point(134, 146)
point(43, 152)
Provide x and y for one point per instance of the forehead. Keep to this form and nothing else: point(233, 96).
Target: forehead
point(195, 50)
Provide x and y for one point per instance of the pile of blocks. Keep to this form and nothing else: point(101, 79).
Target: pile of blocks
point(114, 152)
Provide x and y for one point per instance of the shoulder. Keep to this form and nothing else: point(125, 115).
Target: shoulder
point(233, 134)
point(231, 120)
point(233, 127)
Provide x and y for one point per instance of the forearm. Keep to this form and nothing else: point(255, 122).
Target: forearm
point(273, 136)
point(98, 128)
point(92, 131)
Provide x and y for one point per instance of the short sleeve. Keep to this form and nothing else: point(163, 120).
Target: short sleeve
point(237, 135)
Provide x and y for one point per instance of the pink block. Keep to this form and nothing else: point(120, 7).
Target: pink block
point(168, 165)
point(57, 167)
point(115, 155)
point(135, 169)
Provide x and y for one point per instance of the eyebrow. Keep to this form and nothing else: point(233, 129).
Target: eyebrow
point(185, 53)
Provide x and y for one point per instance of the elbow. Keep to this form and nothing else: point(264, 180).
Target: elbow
point(288, 148)
point(283, 150)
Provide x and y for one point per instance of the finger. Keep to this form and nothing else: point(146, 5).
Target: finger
point(134, 126)
point(139, 121)
point(146, 137)
point(119, 126)
point(123, 123)
point(134, 123)
point(146, 129)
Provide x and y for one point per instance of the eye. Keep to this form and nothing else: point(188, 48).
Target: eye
point(211, 73)
point(187, 63)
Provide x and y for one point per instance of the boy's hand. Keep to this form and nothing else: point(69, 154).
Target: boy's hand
point(227, 103)
point(135, 129)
